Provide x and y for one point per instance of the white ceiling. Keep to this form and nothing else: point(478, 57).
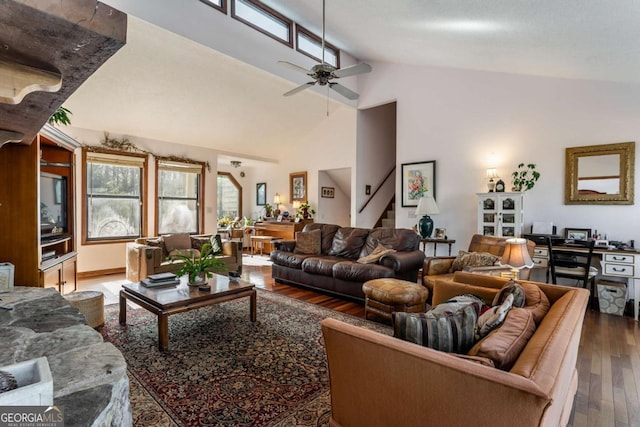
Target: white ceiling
point(164, 87)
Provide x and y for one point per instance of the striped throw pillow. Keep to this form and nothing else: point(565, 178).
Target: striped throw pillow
point(448, 327)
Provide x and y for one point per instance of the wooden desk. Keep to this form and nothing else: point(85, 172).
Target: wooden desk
point(614, 262)
point(435, 242)
point(285, 230)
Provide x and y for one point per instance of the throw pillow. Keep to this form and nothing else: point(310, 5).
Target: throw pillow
point(447, 327)
point(511, 288)
point(177, 241)
point(377, 253)
point(216, 244)
point(472, 259)
point(308, 242)
point(536, 301)
point(505, 344)
point(493, 318)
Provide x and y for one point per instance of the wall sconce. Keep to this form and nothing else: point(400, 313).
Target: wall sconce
point(491, 173)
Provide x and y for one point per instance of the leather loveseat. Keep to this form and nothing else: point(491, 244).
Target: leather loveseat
point(335, 268)
point(151, 255)
point(379, 380)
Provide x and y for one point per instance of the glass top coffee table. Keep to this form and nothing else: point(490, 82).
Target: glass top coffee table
point(164, 302)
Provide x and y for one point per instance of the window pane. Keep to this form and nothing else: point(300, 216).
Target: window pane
point(177, 184)
point(177, 216)
point(228, 198)
point(262, 19)
point(314, 48)
point(113, 217)
point(114, 180)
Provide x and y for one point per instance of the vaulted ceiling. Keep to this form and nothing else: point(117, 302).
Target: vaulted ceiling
point(165, 86)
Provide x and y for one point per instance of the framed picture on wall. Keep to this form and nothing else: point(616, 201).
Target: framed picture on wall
point(261, 193)
point(328, 192)
point(418, 180)
point(298, 186)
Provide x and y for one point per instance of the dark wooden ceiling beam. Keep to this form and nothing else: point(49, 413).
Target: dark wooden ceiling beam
point(70, 37)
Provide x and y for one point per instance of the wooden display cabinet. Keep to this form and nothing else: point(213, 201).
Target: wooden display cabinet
point(23, 243)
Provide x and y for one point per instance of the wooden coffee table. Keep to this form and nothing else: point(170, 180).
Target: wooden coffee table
point(164, 302)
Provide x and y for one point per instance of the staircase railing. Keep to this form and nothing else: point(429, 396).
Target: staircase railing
point(391, 172)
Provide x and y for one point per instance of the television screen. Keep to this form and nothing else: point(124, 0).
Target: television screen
point(53, 204)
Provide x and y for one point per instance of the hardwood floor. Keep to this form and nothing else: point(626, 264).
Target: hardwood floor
point(608, 358)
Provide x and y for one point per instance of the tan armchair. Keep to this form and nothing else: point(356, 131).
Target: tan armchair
point(440, 267)
point(148, 255)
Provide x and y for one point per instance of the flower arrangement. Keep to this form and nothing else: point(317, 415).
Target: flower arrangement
point(305, 211)
point(225, 221)
point(525, 177)
point(201, 266)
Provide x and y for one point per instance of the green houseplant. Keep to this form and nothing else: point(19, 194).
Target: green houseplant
point(525, 177)
point(305, 211)
point(199, 267)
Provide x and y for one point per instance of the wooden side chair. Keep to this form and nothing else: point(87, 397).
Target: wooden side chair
point(572, 260)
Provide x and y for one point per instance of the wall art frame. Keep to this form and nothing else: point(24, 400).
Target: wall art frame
point(417, 179)
point(261, 193)
point(298, 186)
point(328, 192)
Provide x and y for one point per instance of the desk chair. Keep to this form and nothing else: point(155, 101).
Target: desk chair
point(573, 261)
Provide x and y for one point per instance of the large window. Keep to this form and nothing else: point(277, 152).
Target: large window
point(311, 45)
point(264, 19)
point(180, 192)
point(113, 196)
point(229, 196)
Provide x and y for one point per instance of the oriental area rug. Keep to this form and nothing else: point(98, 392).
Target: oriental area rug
point(223, 370)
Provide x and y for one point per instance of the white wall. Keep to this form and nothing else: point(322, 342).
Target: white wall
point(376, 154)
point(333, 210)
point(468, 121)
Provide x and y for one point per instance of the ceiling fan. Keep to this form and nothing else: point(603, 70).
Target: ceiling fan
point(323, 73)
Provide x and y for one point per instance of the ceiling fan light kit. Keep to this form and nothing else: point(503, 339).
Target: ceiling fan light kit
point(323, 73)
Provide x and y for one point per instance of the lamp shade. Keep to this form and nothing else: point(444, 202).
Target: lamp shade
point(516, 255)
point(492, 173)
point(296, 204)
point(276, 199)
point(427, 206)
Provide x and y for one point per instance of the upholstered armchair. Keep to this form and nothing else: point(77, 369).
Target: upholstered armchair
point(442, 267)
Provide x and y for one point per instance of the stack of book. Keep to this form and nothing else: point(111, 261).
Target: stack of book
point(160, 280)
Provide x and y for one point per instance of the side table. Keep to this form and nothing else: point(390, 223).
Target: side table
point(435, 242)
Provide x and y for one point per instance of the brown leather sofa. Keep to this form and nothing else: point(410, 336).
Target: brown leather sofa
point(379, 380)
point(343, 275)
point(149, 255)
point(440, 267)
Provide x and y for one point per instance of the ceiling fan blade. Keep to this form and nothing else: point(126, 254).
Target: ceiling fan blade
point(299, 88)
point(294, 67)
point(353, 70)
point(347, 93)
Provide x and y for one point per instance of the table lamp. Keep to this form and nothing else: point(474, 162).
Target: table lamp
point(491, 173)
point(276, 203)
point(516, 255)
point(426, 206)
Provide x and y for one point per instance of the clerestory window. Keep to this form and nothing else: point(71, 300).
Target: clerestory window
point(264, 19)
point(311, 45)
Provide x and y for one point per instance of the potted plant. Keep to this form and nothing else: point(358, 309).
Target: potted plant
point(305, 211)
point(268, 209)
point(525, 177)
point(199, 268)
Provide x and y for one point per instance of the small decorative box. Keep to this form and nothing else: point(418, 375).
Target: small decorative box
point(6, 277)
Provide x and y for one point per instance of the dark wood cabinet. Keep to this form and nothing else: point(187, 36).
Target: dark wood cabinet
point(36, 254)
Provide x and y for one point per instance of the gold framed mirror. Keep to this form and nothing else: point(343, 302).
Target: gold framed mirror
point(600, 174)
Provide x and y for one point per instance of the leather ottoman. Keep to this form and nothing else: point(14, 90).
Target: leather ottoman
point(386, 295)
